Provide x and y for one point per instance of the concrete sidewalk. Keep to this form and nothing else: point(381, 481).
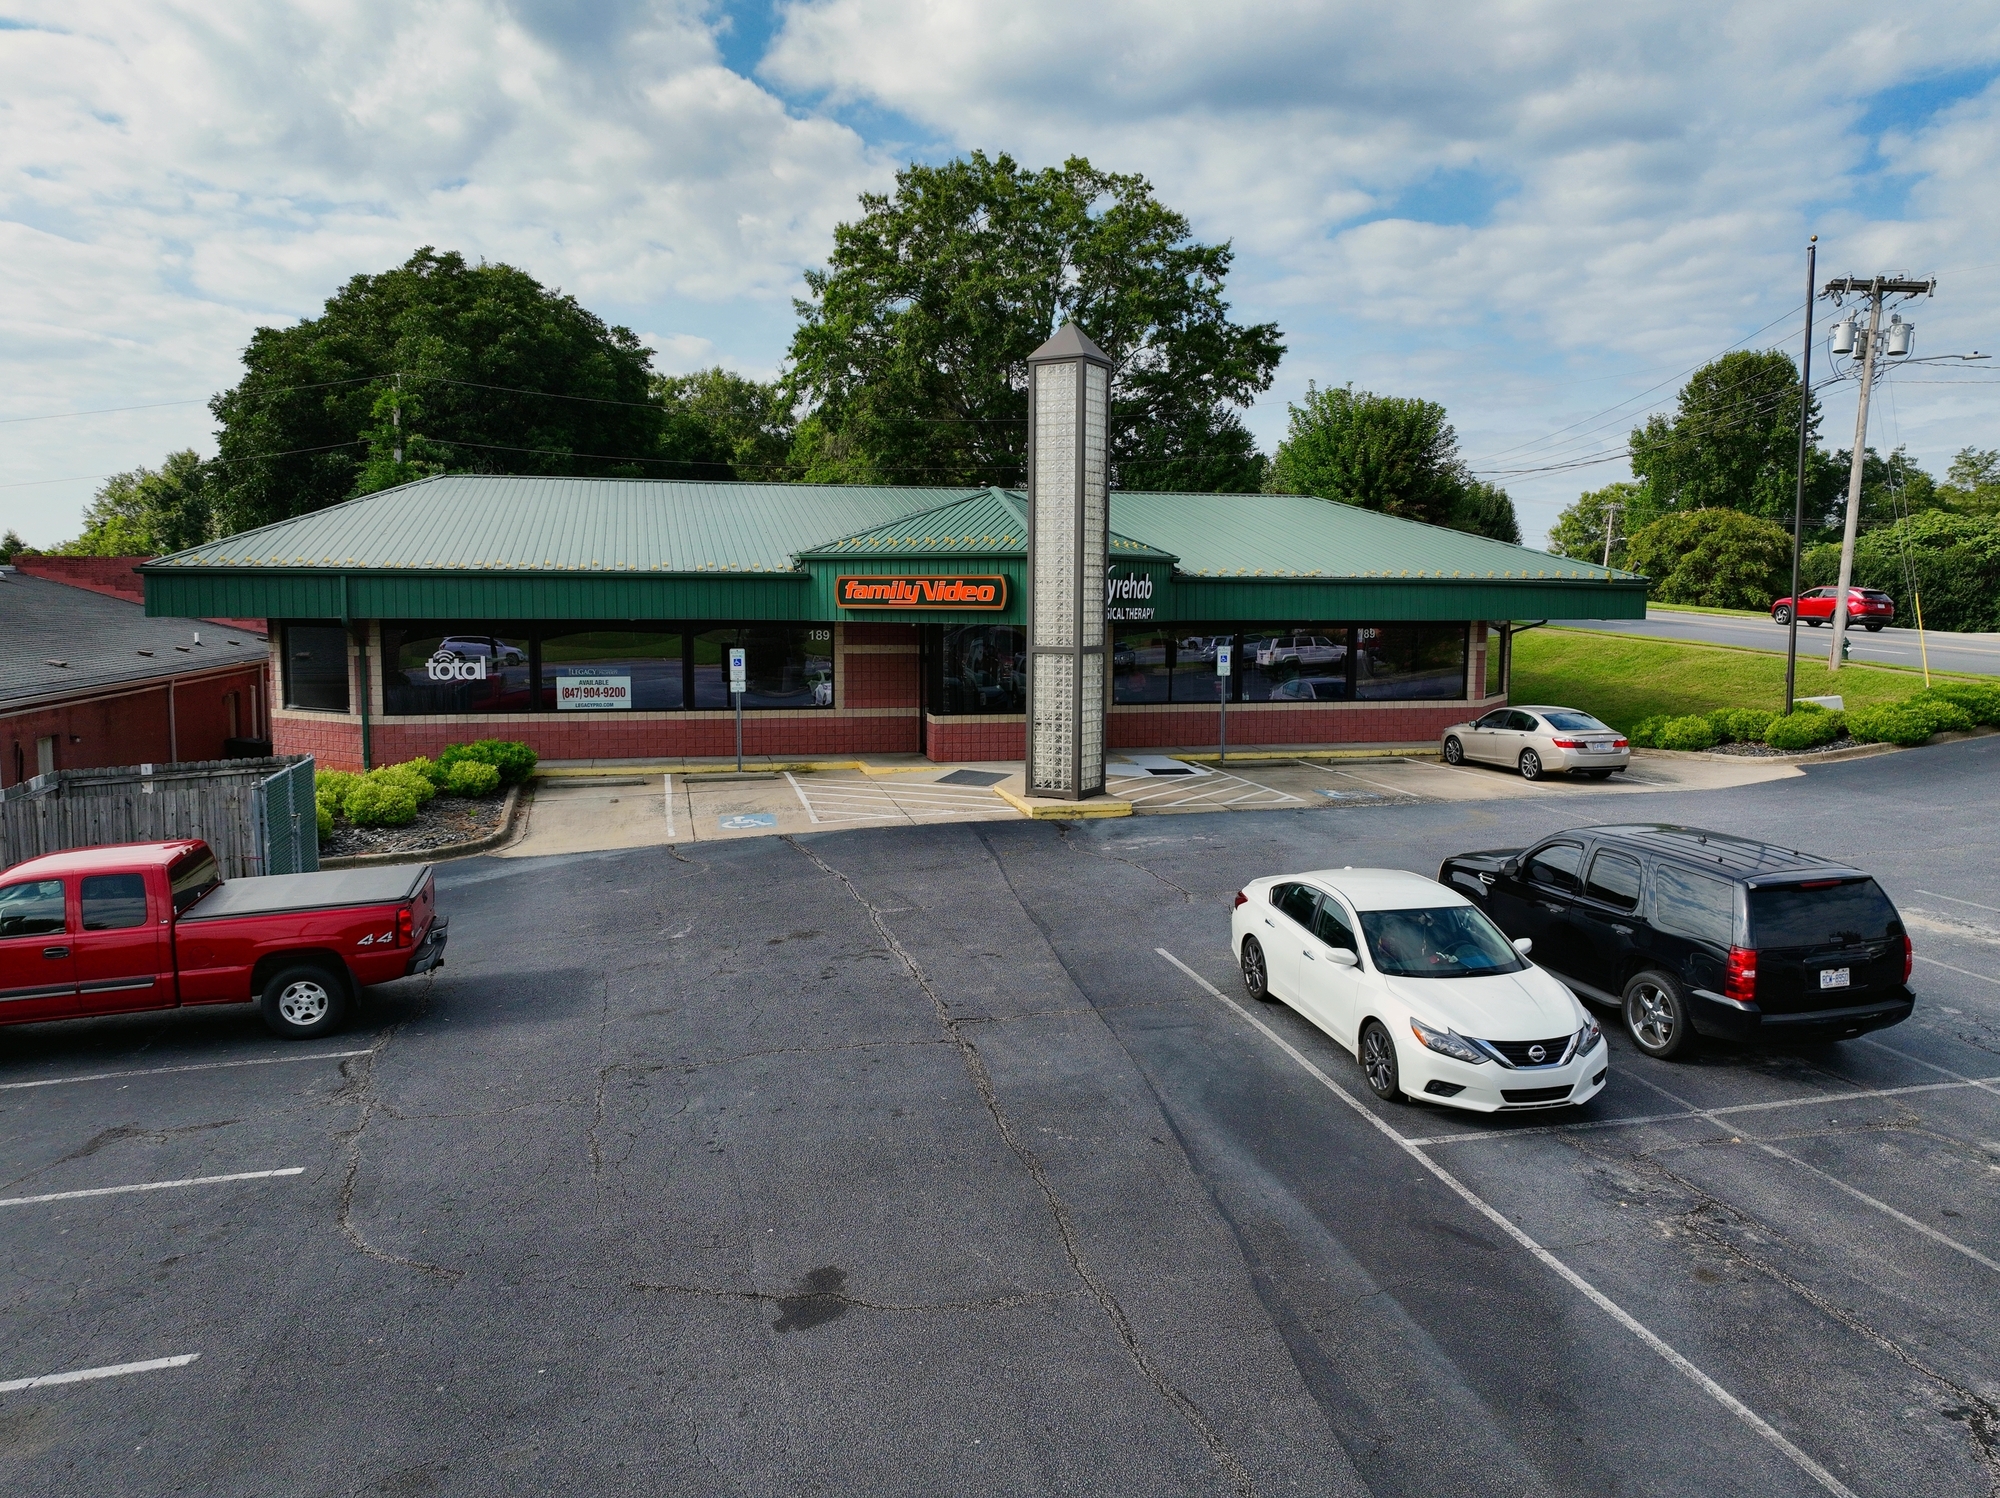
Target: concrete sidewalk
point(584, 808)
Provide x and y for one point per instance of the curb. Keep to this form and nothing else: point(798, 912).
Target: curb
point(773, 767)
point(1064, 811)
point(509, 817)
point(1810, 757)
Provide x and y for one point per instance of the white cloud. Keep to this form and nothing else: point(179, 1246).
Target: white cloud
point(173, 175)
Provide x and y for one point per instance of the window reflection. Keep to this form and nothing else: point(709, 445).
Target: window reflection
point(785, 666)
point(642, 670)
point(1141, 665)
point(1410, 662)
point(979, 668)
point(468, 668)
point(1293, 663)
point(316, 667)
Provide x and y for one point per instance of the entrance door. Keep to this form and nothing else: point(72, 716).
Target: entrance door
point(37, 970)
point(121, 948)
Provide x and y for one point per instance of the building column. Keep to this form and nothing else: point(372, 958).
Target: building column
point(1069, 400)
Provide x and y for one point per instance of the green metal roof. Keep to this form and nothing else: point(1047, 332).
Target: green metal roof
point(993, 522)
point(465, 522)
point(1299, 536)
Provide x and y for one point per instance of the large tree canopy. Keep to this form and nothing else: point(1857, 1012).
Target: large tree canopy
point(1733, 443)
point(1390, 453)
point(148, 511)
point(499, 374)
point(1718, 558)
point(912, 349)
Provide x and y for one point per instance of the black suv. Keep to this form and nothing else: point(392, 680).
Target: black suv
point(1700, 933)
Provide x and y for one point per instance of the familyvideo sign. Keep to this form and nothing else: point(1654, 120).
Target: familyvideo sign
point(593, 692)
point(927, 592)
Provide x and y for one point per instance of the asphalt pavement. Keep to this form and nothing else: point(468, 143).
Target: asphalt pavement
point(949, 1158)
point(1894, 646)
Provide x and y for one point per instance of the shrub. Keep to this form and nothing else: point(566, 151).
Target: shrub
point(471, 777)
point(325, 820)
point(1977, 698)
point(1686, 733)
point(1890, 723)
point(1739, 725)
point(430, 769)
point(1646, 734)
point(407, 774)
point(1809, 726)
point(382, 801)
point(332, 786)
point(514, 760)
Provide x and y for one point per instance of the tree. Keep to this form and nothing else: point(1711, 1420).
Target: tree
point(1972, 484)
point(1951, 560)
point(1579, 530)
point(1733, 443)
point(912, 347)
point(741, 428)
point(513, 377)
point(149, 512)
point(1390, 453)
point(1721, 558)
point(11, 546)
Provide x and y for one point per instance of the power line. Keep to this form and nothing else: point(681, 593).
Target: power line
point(162, 405)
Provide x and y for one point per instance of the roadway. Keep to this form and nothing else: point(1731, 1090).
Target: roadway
point(949, 1158)
point(1979, 654)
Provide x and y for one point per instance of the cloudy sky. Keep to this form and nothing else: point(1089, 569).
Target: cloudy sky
point(1540, 212)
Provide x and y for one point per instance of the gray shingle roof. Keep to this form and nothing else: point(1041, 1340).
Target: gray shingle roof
point(55, 640)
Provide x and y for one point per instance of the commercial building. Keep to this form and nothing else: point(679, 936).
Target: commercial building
point(593, 618)
point(87, 679)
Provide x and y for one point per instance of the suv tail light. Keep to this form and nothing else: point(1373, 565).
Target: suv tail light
point(1241, 899)
point(405, 926)
point(1741, 984)
point(1909, 958)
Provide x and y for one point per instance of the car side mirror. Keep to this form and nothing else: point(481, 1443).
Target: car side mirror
point(1511, 867)
point(1524, 945)
point(1341, 957)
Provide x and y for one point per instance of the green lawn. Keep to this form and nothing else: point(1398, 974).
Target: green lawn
point(1624, 678)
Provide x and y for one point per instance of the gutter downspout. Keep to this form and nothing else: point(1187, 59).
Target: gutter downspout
point(361, 640)
point(173, 730)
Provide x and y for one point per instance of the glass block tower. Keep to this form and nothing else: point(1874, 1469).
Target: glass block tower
point(1069, 398)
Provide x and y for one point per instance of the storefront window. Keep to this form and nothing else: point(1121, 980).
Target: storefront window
point(786, 666)
point(1293, 663)
point(613, 669)
point(1142, 665)
point(978, 668)
point(1410, 662)
point(467, 668)
point(1194, 667)
point(316, 667)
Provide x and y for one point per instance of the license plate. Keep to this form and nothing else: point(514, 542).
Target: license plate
point(1833, 977)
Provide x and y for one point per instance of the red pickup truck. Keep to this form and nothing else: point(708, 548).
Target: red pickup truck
point(154, 926)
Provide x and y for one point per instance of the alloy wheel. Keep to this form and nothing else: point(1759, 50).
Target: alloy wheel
point(1781, 616)
point(1650, 1014)
point(1453, 751)
point(304, 1002)
point(1254, 980)
point(1531, 765)
point(1378, 1059)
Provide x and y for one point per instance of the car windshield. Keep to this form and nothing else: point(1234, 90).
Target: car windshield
point(1449, 941)
point(1573, 722)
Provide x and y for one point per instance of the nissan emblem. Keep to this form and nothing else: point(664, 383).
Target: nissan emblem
point(1537, 1055)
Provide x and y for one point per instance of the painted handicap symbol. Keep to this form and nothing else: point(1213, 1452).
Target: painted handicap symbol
point(745, 820)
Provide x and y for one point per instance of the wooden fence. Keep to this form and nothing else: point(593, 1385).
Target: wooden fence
point(257, 814)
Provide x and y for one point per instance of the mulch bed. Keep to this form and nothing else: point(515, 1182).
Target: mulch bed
point(1765, 751)
point(448, 819)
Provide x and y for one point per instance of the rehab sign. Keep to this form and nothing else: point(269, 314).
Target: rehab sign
point(983, 594)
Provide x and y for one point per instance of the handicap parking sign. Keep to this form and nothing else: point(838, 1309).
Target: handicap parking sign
point(743, 821)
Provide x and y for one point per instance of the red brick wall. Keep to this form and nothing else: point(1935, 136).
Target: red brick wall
point(956, 740)
point(130, 728)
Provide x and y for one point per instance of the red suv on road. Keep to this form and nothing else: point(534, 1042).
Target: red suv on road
point(1866, 607)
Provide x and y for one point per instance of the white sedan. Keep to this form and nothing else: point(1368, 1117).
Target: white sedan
point(1435, 1003)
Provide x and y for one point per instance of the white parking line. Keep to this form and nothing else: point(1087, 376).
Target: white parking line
point(161, 1071)
point(68, 1196)
point(669, 796)
point(85, 1375)
point(1493, 1215)
point(1956, 901)
point(1861, 1095)
point(1984, 1084)
point(1962, 972)
point(1832, 1180)
point(811, 815)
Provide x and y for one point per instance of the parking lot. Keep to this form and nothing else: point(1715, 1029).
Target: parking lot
point(905, 1156)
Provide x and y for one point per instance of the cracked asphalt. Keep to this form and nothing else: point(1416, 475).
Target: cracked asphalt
point(899, 1161)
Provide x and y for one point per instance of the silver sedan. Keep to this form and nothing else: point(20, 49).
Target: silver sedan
point(1537, 740)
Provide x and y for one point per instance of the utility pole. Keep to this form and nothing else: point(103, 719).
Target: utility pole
point(1799, 503)
point(1867, 348)
point(396, 416)
point(1610, 529)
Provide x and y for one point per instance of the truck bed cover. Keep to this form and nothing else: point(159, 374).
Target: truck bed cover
point(275, 894)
